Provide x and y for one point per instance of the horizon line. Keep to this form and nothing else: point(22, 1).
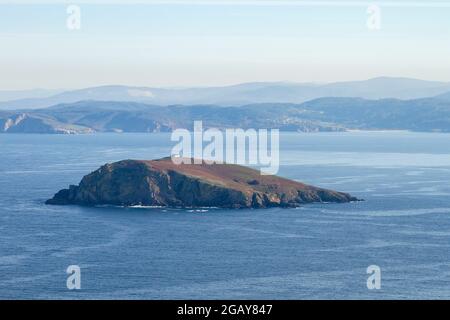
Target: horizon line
point(181, 87)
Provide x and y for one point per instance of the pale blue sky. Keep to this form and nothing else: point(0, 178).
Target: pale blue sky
point(191, 45)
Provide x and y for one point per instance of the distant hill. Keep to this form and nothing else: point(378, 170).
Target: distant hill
point(429, 114)
point(103, 116)
point(324, 114)
point(444, 96)
point(242, 94)
point(8, 95)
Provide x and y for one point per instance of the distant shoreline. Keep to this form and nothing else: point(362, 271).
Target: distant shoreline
point(167, 132)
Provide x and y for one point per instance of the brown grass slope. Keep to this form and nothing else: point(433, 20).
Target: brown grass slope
point(163, 183)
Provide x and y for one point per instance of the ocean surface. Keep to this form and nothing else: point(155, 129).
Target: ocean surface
point(318, 251)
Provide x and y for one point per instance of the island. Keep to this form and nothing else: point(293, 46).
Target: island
point(162, 183)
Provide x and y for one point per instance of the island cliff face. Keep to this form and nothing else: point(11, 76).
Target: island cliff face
point(163, 183)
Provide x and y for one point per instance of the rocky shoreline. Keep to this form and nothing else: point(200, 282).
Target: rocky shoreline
point(164, 184)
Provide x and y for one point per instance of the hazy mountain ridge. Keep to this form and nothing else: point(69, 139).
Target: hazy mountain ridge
point(241, 94)
point(10, 95)
point(429, 114)
point(137, 117)
point(324, 114)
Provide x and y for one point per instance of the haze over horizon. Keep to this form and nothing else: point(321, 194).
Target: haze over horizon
point(182, 45)
point(231, 84)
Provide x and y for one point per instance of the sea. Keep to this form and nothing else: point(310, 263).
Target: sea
point(317, 251)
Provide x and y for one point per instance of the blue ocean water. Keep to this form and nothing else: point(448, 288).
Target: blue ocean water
point(314, 252)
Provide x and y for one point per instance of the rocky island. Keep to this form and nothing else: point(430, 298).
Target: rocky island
point(163, 183)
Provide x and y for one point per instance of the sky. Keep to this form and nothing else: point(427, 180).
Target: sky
point(210, 43)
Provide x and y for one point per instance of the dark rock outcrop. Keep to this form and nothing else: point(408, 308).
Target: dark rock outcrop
point(163, 183)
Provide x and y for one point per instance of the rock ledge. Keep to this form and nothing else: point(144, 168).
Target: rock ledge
point(162, 183)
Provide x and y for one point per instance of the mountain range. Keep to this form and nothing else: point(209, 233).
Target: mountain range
point(376, 104)
point(235, 95)
point(323, 114)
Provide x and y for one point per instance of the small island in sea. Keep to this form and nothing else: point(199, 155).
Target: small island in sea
point(166, 184)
